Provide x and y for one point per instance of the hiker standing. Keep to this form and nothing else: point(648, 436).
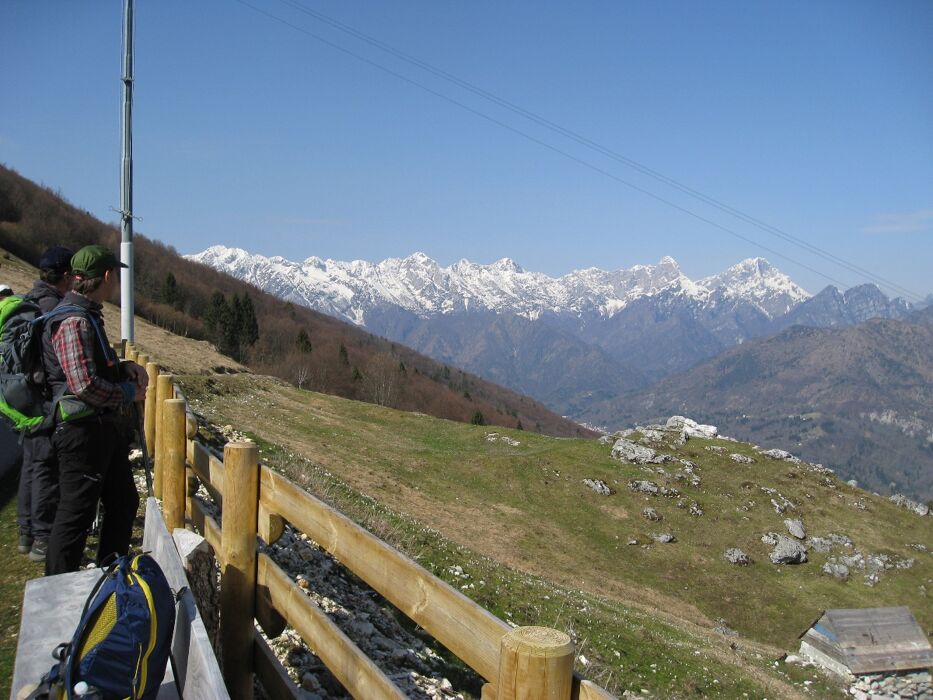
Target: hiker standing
point(94, 393)
point(38, 481)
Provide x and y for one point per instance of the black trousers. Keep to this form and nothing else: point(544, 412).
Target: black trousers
point(93, 463)
point(38, 487)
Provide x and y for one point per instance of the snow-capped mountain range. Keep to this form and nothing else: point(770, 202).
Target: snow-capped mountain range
point(568, 341)
point(419, 285)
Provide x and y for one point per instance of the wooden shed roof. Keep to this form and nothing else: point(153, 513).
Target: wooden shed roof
point(870, 640)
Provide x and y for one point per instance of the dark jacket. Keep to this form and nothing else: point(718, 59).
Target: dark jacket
point(44, 295)
point(106, 364)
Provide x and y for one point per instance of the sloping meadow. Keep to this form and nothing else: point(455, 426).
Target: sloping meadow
point(558, 532)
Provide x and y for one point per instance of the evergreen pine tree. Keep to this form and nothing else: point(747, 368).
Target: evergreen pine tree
point(249, 326)
point(170, 294)
point(304, 341)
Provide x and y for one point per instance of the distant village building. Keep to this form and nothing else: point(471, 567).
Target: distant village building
point(867, 640)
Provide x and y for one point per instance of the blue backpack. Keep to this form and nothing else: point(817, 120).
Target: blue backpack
point(124, 638)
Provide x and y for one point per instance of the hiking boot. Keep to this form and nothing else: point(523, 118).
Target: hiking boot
point(39, 547)
point(25, 543)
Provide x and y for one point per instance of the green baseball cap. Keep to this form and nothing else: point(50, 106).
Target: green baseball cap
point(93, 261)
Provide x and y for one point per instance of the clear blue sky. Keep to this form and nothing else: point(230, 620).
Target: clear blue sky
point(814, 117)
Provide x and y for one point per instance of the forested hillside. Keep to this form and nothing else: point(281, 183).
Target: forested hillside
point(270, 336)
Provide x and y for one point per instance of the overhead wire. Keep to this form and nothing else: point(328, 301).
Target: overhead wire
point(566, 132)
point(597, 147)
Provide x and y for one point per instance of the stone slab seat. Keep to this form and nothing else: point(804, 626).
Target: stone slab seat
point(52, 608)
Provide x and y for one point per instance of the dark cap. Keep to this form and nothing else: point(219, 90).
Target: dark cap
point(93, 261)
point(57, 259)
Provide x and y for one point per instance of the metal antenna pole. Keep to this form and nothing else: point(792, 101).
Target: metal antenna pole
point(126, 180)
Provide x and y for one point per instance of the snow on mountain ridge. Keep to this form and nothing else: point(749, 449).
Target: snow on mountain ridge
point(421, 286)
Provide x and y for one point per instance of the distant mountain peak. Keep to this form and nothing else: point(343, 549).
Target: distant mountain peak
point(418, 284)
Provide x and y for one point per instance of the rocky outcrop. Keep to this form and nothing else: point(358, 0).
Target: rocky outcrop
point(690, 428)
point(915, 685)
point(795, 527)
point(780, 454)
point(736, 556)
point(628, 451)
point(836, 570)
point(921, 509)
point(788, 551)
point(599, 486)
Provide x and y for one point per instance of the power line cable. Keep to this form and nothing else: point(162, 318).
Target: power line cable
point(540, 142)
point(599, 148)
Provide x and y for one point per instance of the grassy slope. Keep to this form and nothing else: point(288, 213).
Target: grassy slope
point(15, 571)
point(541, 548)
point(525, 507)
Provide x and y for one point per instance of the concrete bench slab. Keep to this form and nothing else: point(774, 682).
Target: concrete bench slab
point(52, 608)
point(51, 611)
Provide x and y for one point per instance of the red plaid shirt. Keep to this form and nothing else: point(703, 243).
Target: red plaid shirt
point(74, 346)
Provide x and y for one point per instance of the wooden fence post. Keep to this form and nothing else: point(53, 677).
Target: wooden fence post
point(173, 463)
point(238, 565)
point(535, 663)
point(152, 369)
point(164, 392)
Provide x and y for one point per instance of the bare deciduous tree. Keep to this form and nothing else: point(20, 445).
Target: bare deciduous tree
point(382, 381)
point(302, 372)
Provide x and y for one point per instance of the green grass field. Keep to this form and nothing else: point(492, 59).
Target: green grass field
point(550, 551)
point(16, 570)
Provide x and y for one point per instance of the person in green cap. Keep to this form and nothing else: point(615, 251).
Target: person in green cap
point(93, 394)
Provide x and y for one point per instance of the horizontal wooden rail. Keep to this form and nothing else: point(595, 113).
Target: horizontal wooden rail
point(468, 630)
point(588, 690)
point(210, 528)
point(208, 469)
point(272, 674)
point(476, 636)
point(355, 671)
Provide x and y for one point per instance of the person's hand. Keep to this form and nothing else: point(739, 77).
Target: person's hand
point(140, 393)
point(138, 375)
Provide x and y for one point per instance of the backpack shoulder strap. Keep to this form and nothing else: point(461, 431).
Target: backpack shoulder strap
point(76, 310)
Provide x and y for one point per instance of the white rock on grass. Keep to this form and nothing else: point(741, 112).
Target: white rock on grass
point(599, 486)
point(836, 570)
point(741, 459)
point(736, 556)
point(795, 527)
point(788, 551)
point(779, 454)
point(628, 451)
point(690, 428)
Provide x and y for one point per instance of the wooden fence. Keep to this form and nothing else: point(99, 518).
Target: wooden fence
point(528, 663)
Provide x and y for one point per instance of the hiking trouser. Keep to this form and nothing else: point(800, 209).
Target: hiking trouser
point(93, 463)
point(38, 487)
